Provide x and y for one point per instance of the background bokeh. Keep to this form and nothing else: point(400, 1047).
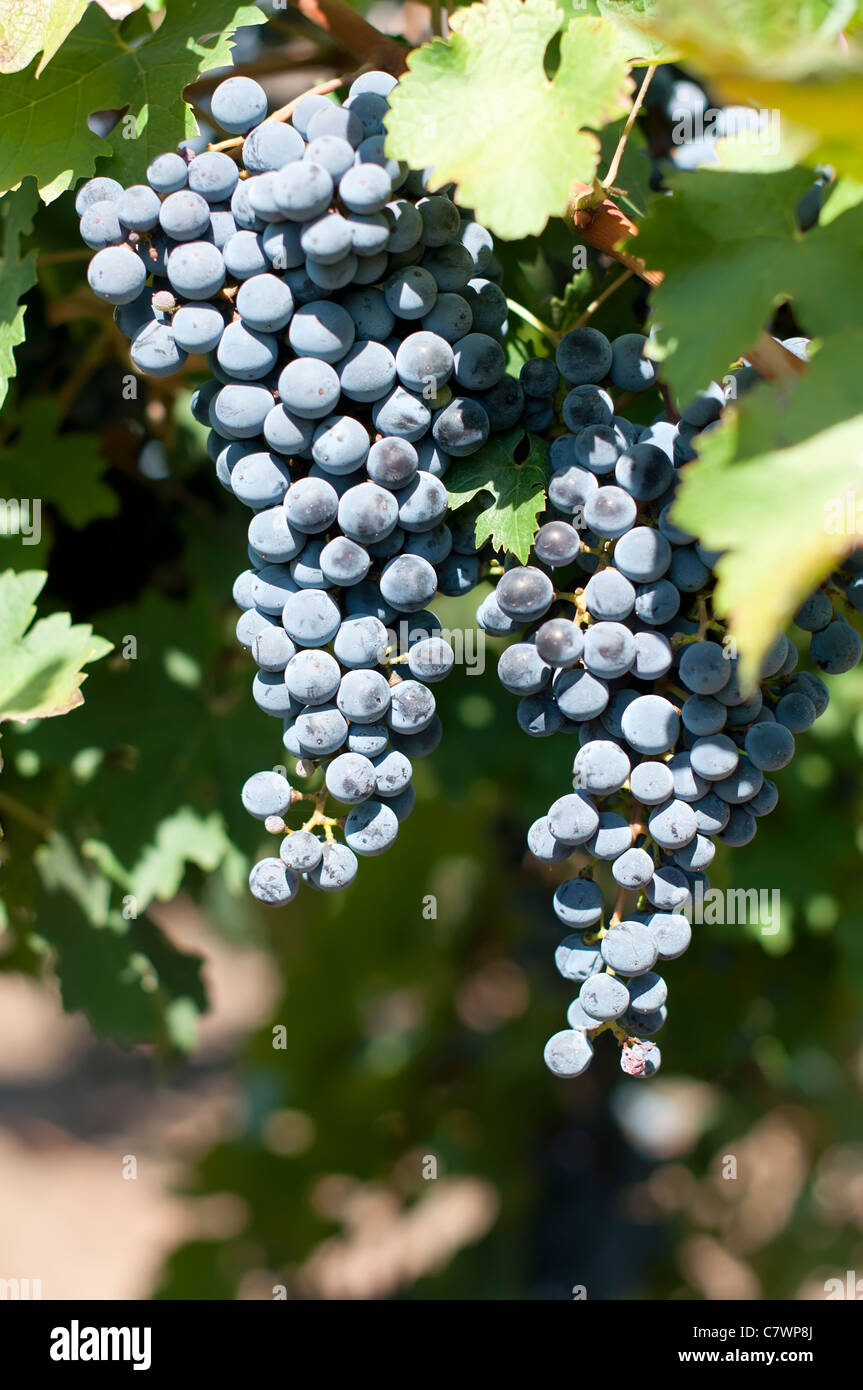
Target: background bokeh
point(364, 1112)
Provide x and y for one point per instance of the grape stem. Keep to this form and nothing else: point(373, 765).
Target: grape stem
point(613, 1027)
point(601, 298)
point(321, 90)
point(704, 619)
point(58, 257)
point(608, 181)
point(354, 33)
point(668, 401)
point(547, 332)
point(437, 18)
point(318, 816)
point(16, 810)
point(617, 911)
point(101, 349)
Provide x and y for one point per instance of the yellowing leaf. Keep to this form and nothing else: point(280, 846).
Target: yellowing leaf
point(40, 669)
point(783, 56)
point(481, 112)
point(779, 487)
point(777, 37)
point(28, 27)
point(636, 22)
point(823, 113)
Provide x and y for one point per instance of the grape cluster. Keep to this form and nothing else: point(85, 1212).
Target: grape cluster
point(352, 324)
point(617, 645)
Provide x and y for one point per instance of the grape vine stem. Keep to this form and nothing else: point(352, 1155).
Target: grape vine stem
point(102, 349)
point(318, 816)
point(613, 167)
point(16, 810)
point(604, 226)
point(601, 298)
point(705, 619)
point(321, 90)
point(668, 401)
point(355, 34)
point(546, 331)
point(437, 18)
point(59, 257)
point(617, 911)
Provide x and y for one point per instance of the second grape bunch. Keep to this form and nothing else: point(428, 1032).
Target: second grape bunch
point(618, 647)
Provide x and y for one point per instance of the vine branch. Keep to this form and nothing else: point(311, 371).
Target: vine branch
point(60, 257)
point(355, 34)
point(601, 298)
point(321, 90)
point(437, 18)
point(543, 328)
point(14, 809)
point(613, 167)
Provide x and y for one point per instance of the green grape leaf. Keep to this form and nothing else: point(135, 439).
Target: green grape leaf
point(482, 113)
point(63, 471)
point(40, 666)
point(182, 838)
point(116, 967)
point(731, 252)
point(779, 487)
point(517, 490)
point(43, 125)
point(17, 274)
point(173, 727)
point(37, 26)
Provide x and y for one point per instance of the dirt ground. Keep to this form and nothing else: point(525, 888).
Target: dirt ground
point(91, 1146)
